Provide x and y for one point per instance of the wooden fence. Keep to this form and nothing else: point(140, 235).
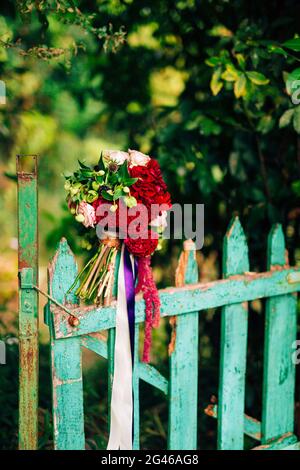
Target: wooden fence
point(81, 327)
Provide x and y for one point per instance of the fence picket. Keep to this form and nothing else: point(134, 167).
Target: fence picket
point(279, 371)
point(234, 323)
point(67, 393)
point(183, 385)
point(277, 421)
point(28, 306)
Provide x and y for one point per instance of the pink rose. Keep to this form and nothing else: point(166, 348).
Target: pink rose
point(89, 214)
point(115, 156)
point(137, 158)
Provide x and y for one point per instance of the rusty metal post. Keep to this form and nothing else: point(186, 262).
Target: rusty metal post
point(28, 301)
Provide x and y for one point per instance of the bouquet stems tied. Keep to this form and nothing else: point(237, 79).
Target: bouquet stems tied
point(96, 279)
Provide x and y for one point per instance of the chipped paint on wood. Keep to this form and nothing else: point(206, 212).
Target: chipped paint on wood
point(281, 443)
point(234, 324)
point(67, 393)
point(28, 307)
point(151, 375)
point(279, 371)
point(188, 299)
point(183, 382)
point(179, 282)
point(252, 427)
point(232, 293)
point(95, 342)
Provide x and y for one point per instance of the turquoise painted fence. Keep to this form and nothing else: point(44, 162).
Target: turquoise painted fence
point(279, 285)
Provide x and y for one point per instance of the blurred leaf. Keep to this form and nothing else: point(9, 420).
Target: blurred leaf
point(216, 84)
point(212, 61)
point(220, 30)
point(241, 60)
point(11, 176)
point(293, 44)
point(230, 76)
point(296, 119)
point(296, 187)
point(240, 86)
point(257, 78)
point(265, 124)
point(286, 118)
point(277, 50)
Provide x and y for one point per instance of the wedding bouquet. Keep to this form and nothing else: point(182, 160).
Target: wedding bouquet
point(125, 199)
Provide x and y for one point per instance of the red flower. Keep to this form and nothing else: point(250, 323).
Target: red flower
point(142, 246)
point(150, 188)
point(127, 222)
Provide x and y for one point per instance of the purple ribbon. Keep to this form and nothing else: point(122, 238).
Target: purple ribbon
point(130, 297)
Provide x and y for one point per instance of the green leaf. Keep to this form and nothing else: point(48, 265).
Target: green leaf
point(216, 84)
point(99, 179)
point(257, 78)
point(83, 166)
point(292, 80)
point(221, 31)
point(241, 61)
point(296, 187)
point(129, 181)
point(112, 178)
point(87, 173)
point(212, 61)
point(296, 119)
point(101, 163)
point(265, 124)
point(286, 118)
point(277, 50)
point(240, 86)
point(230, 76)
point(293, 44)
point(123, 172)
point(209, 127)
point(117, 194)
point(10, 176)
point(107, 196)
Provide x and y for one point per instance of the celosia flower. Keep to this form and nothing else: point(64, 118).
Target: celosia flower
point(150, 187)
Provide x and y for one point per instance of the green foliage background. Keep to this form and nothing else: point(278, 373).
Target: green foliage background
point(205, 86)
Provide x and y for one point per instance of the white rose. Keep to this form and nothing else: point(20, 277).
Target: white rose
point(115, 156)
point(88, 212)
point(160, 221)
point(137, 158)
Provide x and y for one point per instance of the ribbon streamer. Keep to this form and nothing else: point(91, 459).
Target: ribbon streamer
point(121, 415)
point(130, 296)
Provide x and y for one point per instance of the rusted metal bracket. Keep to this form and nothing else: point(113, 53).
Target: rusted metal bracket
point(26, 282)
point(26, 278)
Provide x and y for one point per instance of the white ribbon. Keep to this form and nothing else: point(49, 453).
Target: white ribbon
point(121, 412)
